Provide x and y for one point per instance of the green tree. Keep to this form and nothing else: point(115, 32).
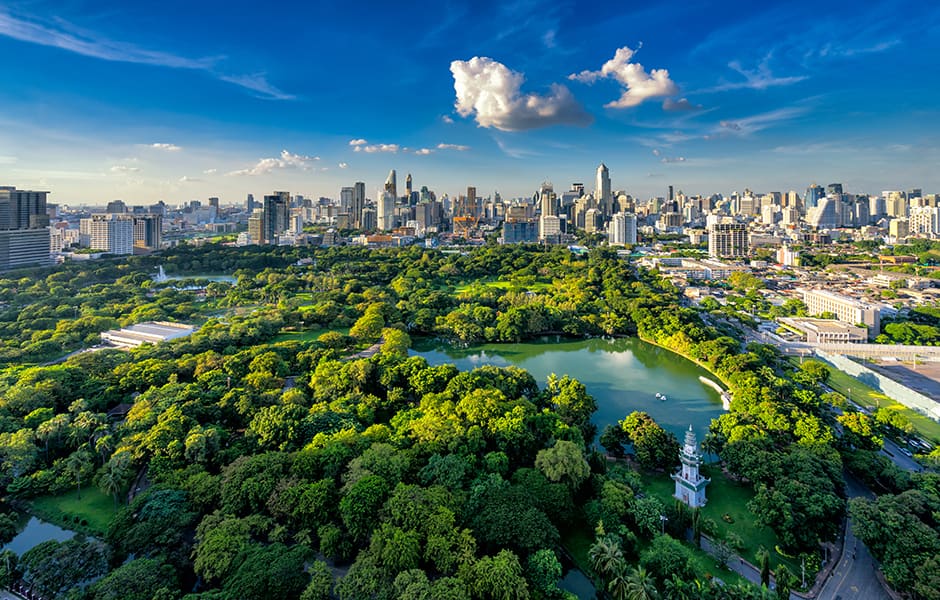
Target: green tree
point(321, 582)
point(563, 462)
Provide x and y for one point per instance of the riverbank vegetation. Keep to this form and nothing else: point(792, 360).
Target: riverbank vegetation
point(258, 455)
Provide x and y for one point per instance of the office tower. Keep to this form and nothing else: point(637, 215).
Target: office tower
point(747, 204)
point(670, 196)
point(547, 201)
point(367, 219)
point(385, 210)
point(214, 202)
point(116, 207)
point(862, 214)
point(727, 238)
point(148, 232)
point(622, 229)
point(769, 214)
point(895, 203)
point(549, 228)
point(255, 230)
point(250, 204)
point(110, 232)
point(924, 220)
point(275, 214)
point(408, 187)
point(592, 220)
point(602, 192)
point(346, 199)
point(24, 235)
point(391, 184)
point(472, 201)
point(915, 193)
point(826, 214)
point(520, 231)
point(876, 208)
point(813, 194)
point(792, 200)
point(898, 228)
point(358, 204)
point(834, 189)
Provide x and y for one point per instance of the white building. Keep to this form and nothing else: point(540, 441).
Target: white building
point(385, 209)
point(151, 332)
point(924, 220)
point(621, 231)
point(549, 227)
point(602, 192)
point(727, 238)
point(847, 310)
point(111, 233)
point(690, 485)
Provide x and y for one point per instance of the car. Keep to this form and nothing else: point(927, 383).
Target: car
point(906, 452)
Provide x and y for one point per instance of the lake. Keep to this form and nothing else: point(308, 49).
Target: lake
point(623, 375)
point(34, 533)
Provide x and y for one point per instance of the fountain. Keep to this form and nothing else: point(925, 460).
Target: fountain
point(161, 275)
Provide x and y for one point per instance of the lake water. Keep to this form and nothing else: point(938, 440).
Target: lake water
point(623, 375)
point(34, 533)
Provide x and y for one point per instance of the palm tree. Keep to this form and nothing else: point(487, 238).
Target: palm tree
point(605, 555)
point(676, 588)
point(619, 584)
point(114, 475)
point(76, 465)
point(641, 586)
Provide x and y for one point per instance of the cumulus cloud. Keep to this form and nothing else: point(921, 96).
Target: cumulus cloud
point(423, 151)
point(343, 165)
point(458, 147)
point(492, 93)
point(358, 142)
point(680, 105)
point(639, 85)
point(124, 169)
point(361, 145)
point(447, 119)
point(210, 171)
point(166, 147)
point(286, 160)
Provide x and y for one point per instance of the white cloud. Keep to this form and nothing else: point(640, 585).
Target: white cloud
point(166, 147)
point(656, 152)
point(8, 160)
point(61, 34)
point(343, 165)
point(358, 142)
point(188, 179)
point(372, 148)
point(124, 169)
point(458, 147)
point(672, 159)
point(638, 84)
point(210, 171)
point(759, 78)
point(286, 160)
point(680, 105)
point(755, 123)
point(492, 92)
point(447, 119)
point(423, 151)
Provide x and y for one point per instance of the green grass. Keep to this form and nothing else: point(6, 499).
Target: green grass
point(95, 507)
point(577, 540)
point(725, 497)
point(858, 392)
point(307, 335)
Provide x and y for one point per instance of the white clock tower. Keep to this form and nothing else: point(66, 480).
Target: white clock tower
point(690, 485)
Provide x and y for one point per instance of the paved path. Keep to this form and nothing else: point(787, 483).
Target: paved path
point(855, 576)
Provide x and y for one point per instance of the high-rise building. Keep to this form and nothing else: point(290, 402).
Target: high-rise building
point(408, 187)
point(110, 232)
point(924, 220)
point(621, 230)
point(391, 184)
point(813, 194)
point(825, 215)
point(24, 232)
point(603, 193)
point(275, 216)
point(727, 239)
point(214, 202)
point(548, 203)
point(250, 204)
point(148, 231)
point(834, 189)
point(116, 207)
point(385, 210)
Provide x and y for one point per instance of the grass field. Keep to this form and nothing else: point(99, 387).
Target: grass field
point(93, 507)
point(726, 497)
point(308, 335)
point(858, 392)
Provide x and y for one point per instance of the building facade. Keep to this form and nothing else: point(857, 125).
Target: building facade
point(847, 310)
point(690, 485)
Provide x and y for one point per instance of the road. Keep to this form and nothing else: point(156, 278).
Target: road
point(854, 577)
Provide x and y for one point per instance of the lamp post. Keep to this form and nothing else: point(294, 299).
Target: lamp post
point(663, 519)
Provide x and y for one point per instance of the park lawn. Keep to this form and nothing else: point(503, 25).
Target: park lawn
point(307, 335)
point(93, 506)
point(858, 392)
point(577, 539)
point(725, 497)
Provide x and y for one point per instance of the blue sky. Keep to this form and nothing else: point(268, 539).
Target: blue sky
point(180, 101)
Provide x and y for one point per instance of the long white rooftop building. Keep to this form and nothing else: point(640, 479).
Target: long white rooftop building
point(152, 332)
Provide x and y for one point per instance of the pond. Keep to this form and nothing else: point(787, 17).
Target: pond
point(34, 533)
point(623, 375)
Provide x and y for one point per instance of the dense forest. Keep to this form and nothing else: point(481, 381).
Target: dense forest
point(252, 460)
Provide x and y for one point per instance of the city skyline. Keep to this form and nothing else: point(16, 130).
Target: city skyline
point(125, 102)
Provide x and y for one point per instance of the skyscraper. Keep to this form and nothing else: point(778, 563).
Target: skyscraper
point(111, 232)
point(622, 229)
point(547, 200)
point(408, 187)
point(602, 193)
point(275, 215)
point(385, 209)
point(813, 195)
point(148, 231)
point(727, 238)
point(391, 184)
